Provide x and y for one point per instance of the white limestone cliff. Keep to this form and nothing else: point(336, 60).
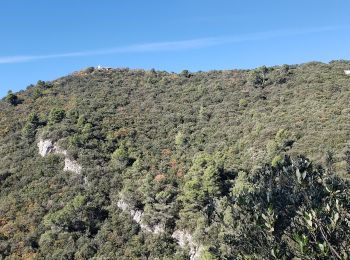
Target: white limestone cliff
point(137, 217)
point(72, 166)
point(47, 147)
point(182, 237)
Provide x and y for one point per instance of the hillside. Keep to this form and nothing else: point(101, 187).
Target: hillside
point(134, 164)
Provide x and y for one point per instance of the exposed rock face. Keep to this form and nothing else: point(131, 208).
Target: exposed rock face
point(185, 239)
point(47, 146)
point(137, 217)
point(135, 214)
point(71, 166)
point(157, 229)
point(182, 237)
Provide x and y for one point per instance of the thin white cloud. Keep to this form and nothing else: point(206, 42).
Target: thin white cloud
point(170, 45)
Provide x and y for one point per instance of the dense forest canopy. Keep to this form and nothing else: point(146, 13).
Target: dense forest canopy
point(132, 164)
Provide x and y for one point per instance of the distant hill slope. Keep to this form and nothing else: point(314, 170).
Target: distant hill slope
point(138, 137)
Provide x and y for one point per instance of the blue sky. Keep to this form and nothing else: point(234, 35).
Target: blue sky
point(43, 40)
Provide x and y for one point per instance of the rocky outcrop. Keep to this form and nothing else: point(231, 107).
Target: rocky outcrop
point(182, 237)
point(71, 166)
point(47, 147)
point(137, 217)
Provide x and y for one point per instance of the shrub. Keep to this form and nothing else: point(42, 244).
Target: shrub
point(44, 84)
point(243, 102)
point(12, 98)
point(69, 217)
point(29, 129)
point(89, 70)
point(56, 115)
point(258, 77)
point(120, 157)
point(347, 160)
point(296, 210)
point(37, 93)
point(281, 143)
point(277, 160)
point(180, 139)
point(185, 73)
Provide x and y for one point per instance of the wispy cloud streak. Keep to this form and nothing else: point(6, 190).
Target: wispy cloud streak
point(170, 45)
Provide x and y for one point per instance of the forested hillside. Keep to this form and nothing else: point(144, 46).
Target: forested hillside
point(134, 164)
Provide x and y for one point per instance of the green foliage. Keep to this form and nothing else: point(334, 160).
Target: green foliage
point(44, 84)
point(120, 154)
point(56, 115)
point(277, 160)
point(89, 70)
point(33, 118)
point(185, 73)
point(241, 184)
point(258, 77)
point(29, 130)
point(69, 217)
point(81, 120)
point(11, 98)
point(30, 127)
point(243, 102)
point(120, 157)
point(347, 160)
point(282, 142)
point(37, 93)
point(185, 152)
point(305, 214)
point(202, 184)
point(207, 255)
point(180, 139)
